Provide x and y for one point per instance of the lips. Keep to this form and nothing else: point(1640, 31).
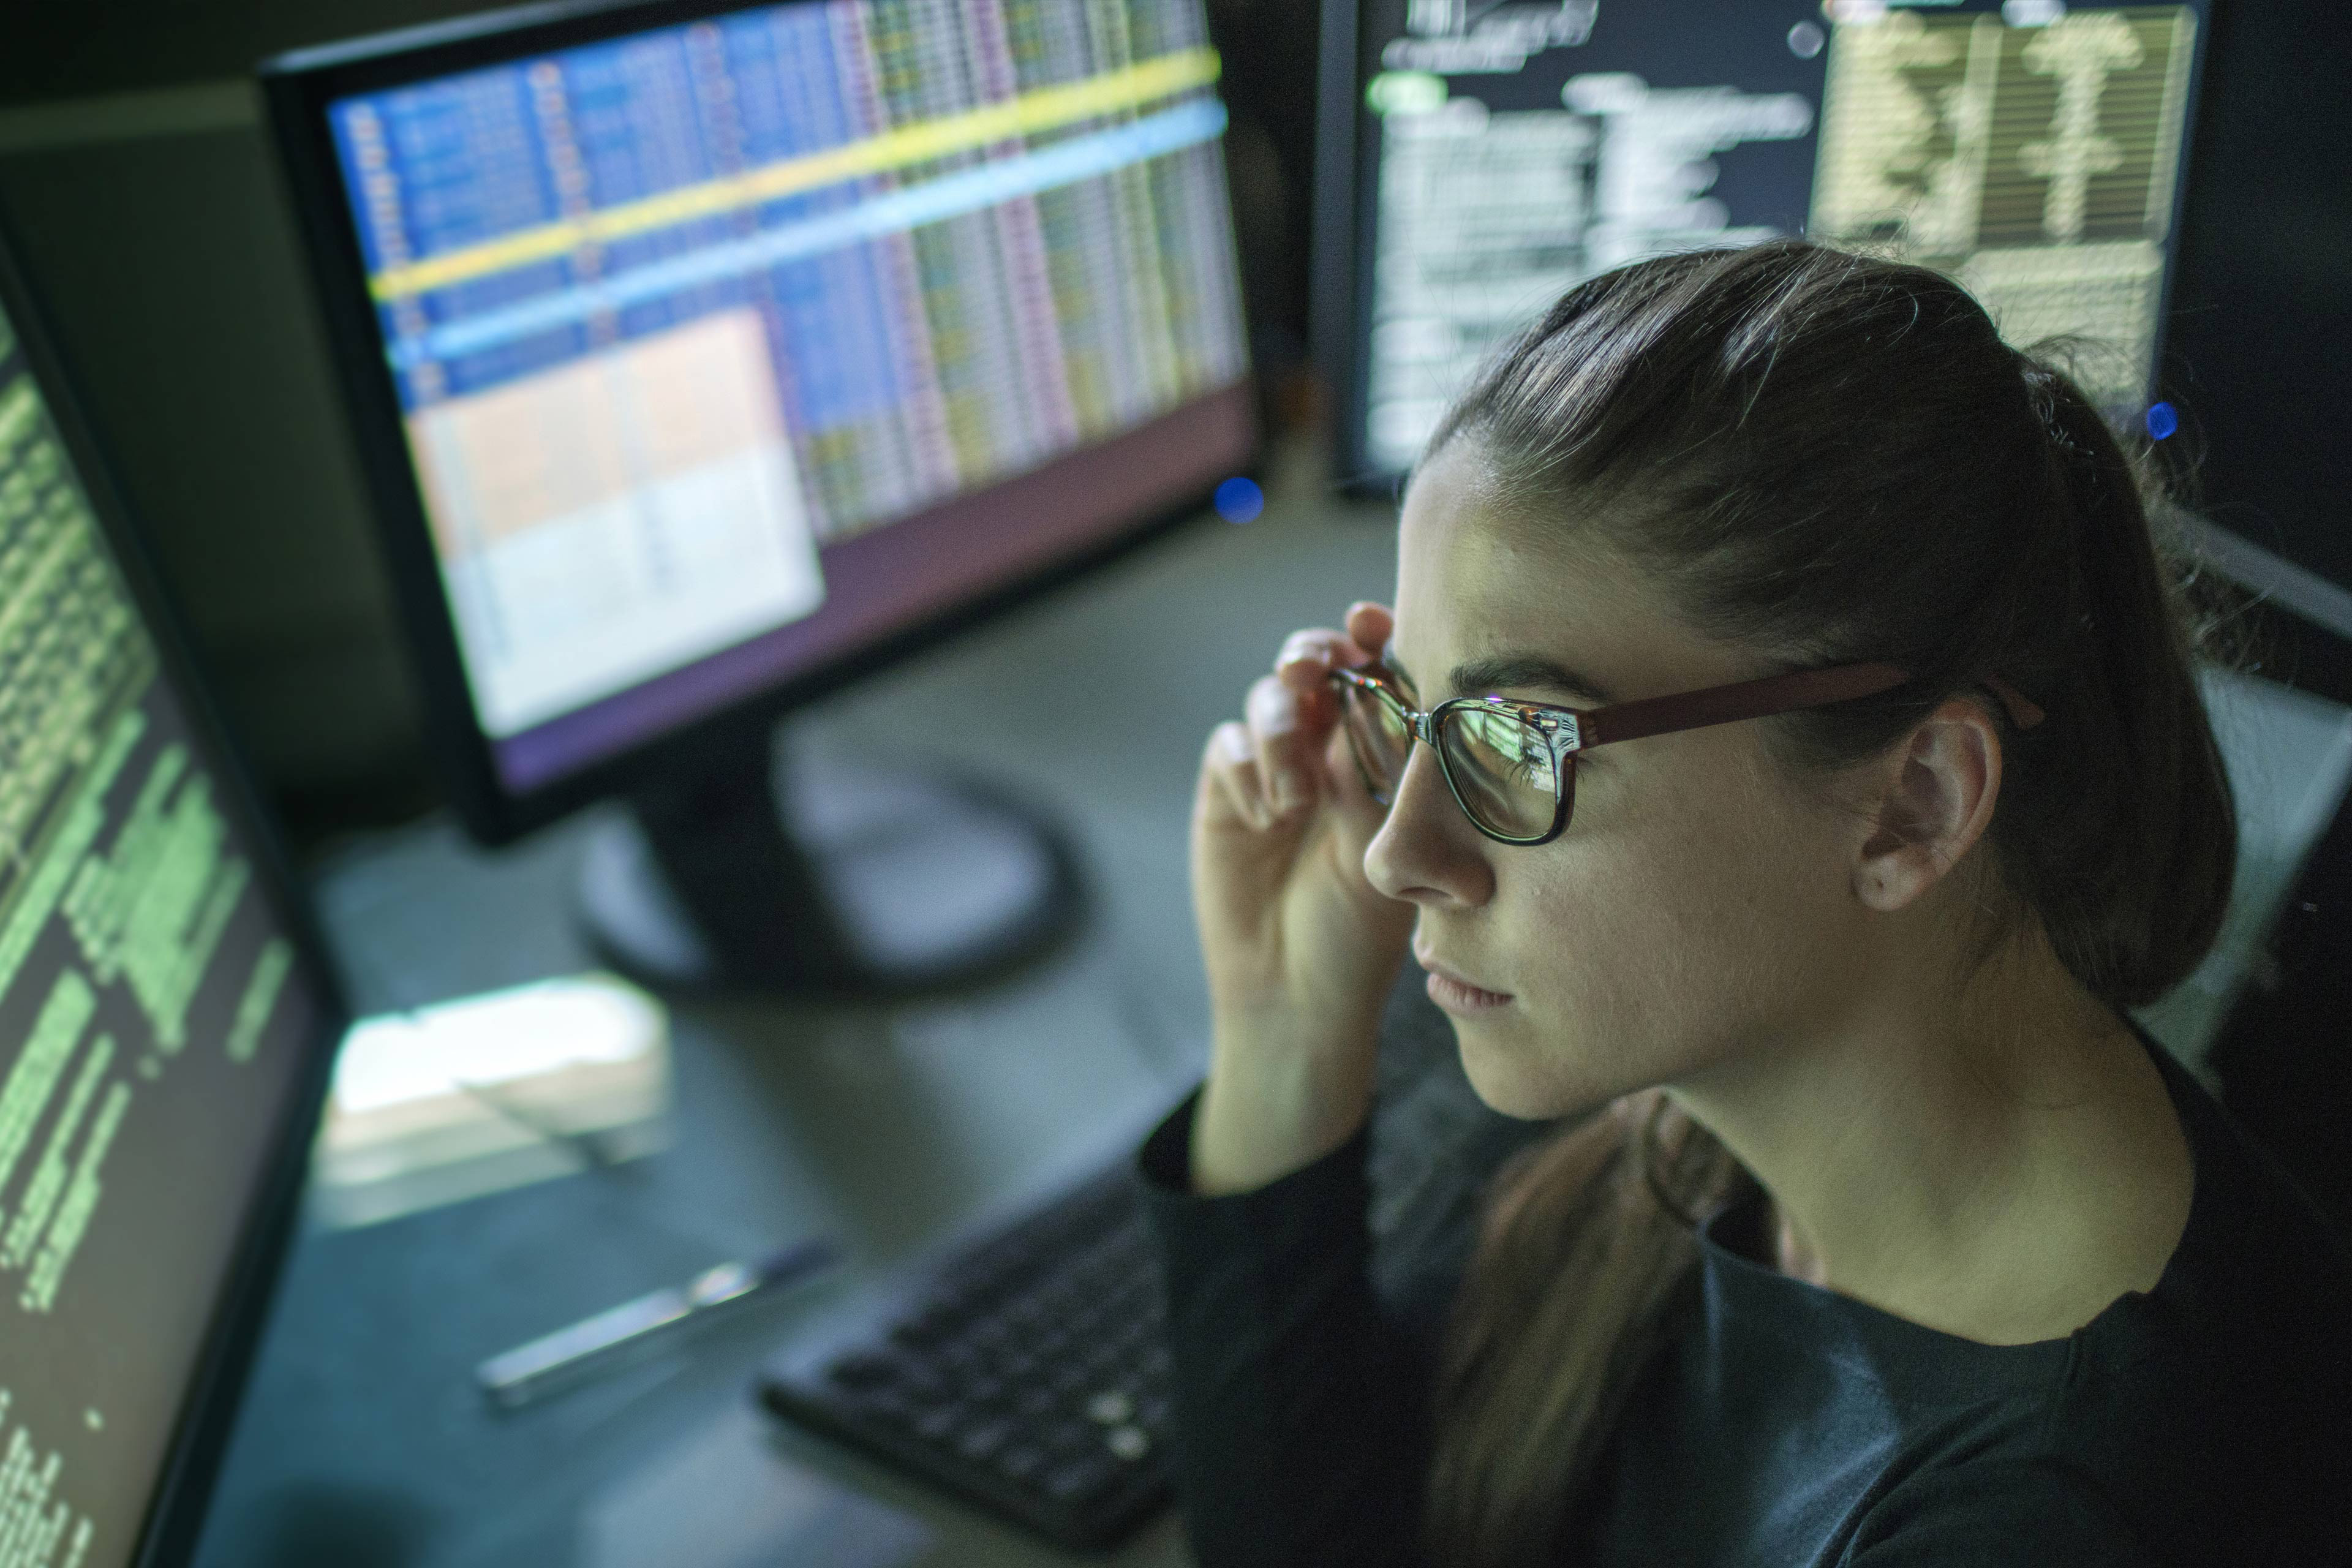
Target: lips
point(1452, 974)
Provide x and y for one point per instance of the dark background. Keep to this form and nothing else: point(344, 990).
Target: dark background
point(2261, 324)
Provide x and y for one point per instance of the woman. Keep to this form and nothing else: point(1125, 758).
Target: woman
point(1877, 1233)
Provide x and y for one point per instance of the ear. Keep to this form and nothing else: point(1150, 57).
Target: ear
point(1936, 798)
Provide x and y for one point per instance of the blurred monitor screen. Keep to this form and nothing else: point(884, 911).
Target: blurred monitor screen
point(727, 343)
point(1483, 159)
point(160, 1024)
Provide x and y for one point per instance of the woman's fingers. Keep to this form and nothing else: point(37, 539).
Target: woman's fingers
point(1273, 763)
point(1229, 772)
point(1307, 658)
point(1286, 730)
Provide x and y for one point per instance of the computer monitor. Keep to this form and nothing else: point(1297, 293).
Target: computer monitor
point(707, 355)
point(1476, 161)
point(166, 1023)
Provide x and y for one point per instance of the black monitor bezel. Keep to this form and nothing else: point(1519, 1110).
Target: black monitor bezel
point(1347, 176)
point(296, 89)
point(201, 1431)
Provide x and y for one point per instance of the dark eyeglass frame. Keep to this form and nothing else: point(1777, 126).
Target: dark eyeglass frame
point(1567, 731)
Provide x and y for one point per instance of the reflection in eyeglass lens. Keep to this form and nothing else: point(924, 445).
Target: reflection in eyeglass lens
point(1378, 732)
point(1502, 768)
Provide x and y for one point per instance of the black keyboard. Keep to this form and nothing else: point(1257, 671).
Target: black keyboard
point(1026, 1372)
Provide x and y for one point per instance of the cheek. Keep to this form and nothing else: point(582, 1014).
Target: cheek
point(1672, 937)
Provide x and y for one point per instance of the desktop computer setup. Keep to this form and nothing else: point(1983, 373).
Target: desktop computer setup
point(705, 356)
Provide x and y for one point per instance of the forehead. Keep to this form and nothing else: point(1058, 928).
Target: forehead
point(1454, 533)
point(1475, 582)
point(1476, 579)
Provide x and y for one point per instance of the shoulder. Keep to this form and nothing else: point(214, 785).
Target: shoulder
point(2201, 1421)
point(2259, 1286)
point(1998, 1511)
point(2208, 1411)
point(2254, 1307)
point(2165, 1496)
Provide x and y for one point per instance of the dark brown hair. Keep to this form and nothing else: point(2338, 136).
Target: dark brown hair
point(1830, 458)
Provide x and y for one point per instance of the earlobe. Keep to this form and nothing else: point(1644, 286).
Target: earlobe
point(1938, 800)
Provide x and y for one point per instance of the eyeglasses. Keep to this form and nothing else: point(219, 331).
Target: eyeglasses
point(1512, 765)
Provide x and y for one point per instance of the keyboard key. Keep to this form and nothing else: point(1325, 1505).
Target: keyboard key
point(1111, 1407)
point(1130, 1443)
point(990, 1339)
point(927, 1326)
point(980, 1443)
point(889, 1406)
point(1081, 1477)
point(1069, 1439)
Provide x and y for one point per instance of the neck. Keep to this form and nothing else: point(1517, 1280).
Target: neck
point(2001, 1169)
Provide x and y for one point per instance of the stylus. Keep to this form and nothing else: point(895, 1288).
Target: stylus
point(514, 1377)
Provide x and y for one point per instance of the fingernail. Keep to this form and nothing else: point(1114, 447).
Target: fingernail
point(1273, 711)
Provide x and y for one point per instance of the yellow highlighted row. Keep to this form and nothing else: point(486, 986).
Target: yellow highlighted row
point(1045, 109)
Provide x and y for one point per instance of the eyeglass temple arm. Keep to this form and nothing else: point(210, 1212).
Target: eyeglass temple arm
point(1746, 699)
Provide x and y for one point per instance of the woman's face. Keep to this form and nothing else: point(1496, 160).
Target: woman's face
point(1699, 907)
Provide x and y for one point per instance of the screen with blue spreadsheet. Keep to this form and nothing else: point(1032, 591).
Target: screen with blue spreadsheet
point(1484, 159)
point(725, 348)
point(157, 1020)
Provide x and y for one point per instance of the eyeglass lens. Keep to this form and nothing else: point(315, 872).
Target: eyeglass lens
point(1501, 770)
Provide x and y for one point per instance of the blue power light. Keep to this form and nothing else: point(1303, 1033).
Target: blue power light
point(2162, 420)
point(1239, 499)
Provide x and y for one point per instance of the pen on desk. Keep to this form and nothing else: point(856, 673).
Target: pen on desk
point(512, 1377)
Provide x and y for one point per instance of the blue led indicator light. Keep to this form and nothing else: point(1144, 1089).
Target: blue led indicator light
point(2162, 420)
point(1240, 500)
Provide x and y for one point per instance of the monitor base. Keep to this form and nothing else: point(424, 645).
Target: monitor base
point(852, 882)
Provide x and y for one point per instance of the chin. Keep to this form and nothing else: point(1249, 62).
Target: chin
point(1508, 1074)
point(1532, 1080)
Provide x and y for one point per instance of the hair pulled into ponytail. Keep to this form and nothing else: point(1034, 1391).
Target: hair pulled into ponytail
point(2128, 854)
point(1833, 460)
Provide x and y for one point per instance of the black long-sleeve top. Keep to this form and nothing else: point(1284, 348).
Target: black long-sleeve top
point(2207, 1421)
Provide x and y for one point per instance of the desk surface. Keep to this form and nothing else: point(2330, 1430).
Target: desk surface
point(363, 1441)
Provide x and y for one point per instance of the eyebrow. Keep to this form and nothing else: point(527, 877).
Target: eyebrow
point(1522, 670)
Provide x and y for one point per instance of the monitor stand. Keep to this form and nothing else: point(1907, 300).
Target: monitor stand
point(741, 872)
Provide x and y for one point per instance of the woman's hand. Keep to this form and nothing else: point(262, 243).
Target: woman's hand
point(1300, 949)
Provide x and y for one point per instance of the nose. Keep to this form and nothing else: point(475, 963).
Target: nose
point(1427, 852)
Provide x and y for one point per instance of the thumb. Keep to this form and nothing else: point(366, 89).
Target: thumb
point(1370, 626)
point(1358, 815)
